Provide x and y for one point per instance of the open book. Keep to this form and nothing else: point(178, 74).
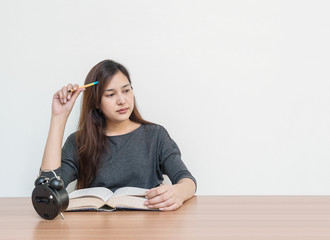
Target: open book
point(103, 199)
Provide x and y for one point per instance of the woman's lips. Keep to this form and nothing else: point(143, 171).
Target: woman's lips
point(122, 111)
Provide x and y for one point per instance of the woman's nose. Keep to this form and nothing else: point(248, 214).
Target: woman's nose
point(121, 99)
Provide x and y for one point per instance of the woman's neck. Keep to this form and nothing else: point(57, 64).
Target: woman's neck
point(120, 128)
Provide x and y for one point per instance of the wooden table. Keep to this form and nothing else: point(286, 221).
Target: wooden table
point(202, 217)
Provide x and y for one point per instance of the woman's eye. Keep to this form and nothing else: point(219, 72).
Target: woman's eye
point(110, 95)
point(126, 90)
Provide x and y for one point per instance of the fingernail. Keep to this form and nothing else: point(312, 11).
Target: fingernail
point(69, 96)
point(150, 206)
point(146, 203)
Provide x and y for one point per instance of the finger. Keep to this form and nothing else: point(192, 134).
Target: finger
point(163, 204)
point(156, 191)
point(64, 94)
point(72, 88)
point(77, 92)
point(172, 207)
point(75, 87)
point(69, 87)
point(158, 199)
point(59, 95)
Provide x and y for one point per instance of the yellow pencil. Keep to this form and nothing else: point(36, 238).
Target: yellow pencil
point(85, 86)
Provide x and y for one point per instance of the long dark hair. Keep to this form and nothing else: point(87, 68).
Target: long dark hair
point(91, 140)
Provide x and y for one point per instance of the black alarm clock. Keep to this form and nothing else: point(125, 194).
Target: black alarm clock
point(49, 197)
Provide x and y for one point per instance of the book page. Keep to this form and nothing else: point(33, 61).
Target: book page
point(82, 203)
point(130, 191)
point(99, 192)
point(127, 202)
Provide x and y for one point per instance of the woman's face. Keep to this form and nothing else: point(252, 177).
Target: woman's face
point(117, 101)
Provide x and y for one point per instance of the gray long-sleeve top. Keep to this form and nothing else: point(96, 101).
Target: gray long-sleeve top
point(136, 159)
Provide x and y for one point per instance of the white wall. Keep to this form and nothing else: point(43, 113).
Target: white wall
point(242, 86)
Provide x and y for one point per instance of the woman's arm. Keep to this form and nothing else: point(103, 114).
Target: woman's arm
point(52, 153)
point(62, 105)
point(170, 197)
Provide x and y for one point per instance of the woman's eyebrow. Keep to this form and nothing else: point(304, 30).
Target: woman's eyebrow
point(111, 89)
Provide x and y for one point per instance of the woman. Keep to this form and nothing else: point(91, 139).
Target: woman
point(114, 146)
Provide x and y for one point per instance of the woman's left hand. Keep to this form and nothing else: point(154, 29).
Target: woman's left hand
point(165, 197)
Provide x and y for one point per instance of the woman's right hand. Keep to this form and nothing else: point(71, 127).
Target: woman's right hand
point(62, 105)
point(63, 101)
